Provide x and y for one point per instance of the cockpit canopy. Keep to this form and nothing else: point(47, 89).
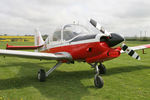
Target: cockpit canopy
point(69, 32)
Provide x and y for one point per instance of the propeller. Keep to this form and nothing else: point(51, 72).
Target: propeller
point(115, 39)
point(99, 27)
point(130, 52)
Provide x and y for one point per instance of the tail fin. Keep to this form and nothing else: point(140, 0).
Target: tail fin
point(38, 40)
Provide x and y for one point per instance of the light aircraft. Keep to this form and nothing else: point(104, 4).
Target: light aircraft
point(73, 43)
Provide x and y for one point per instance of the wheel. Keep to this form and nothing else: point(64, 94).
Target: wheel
point(102, 69)
point(98, 81)
point(41, 75)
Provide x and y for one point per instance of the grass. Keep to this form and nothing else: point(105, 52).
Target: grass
point(126, 79)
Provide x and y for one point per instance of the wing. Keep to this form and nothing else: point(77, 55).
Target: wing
point(138, 47)
point(36, 55)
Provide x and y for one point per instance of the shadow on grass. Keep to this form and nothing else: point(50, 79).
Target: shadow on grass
point(8, 64)
point(60, 84)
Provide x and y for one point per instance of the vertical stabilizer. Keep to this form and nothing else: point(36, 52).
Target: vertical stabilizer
point(38, 40)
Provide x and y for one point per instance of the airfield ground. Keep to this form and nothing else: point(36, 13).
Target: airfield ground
point(126, 79)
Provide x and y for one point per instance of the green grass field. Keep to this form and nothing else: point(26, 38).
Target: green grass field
point(126, 79)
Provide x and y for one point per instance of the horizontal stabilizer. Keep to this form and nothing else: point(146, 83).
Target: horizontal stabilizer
point(22, 47)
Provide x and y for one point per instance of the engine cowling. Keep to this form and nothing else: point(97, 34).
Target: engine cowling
point(107, 55)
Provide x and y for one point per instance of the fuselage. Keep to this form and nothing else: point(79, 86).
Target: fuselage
point(84, 48)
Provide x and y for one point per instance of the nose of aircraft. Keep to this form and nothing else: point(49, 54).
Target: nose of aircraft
point(115, 39)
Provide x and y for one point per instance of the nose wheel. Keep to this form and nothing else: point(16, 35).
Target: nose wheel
point(98, 81)
point(100, 69)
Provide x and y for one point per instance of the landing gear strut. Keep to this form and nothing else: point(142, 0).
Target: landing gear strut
point(42, 74)
point(98, 81)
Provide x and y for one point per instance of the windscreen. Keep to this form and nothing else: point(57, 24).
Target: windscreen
point(73, 30)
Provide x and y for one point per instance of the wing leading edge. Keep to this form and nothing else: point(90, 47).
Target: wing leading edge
point(36, 55)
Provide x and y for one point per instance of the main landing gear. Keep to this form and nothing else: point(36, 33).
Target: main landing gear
point(42, 74)
point(100, 69)
point(98, 81)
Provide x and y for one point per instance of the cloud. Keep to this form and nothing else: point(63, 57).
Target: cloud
point(123, 16)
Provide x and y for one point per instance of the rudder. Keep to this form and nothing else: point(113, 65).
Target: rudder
point(38, 40)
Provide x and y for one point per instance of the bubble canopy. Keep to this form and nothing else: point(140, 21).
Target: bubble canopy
point(69, 31)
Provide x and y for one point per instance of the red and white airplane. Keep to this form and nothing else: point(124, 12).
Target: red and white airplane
point(74, 42)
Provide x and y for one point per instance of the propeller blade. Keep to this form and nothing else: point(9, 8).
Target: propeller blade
point(130, 52)
point(99, 27)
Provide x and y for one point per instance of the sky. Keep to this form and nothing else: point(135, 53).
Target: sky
point(127, 17)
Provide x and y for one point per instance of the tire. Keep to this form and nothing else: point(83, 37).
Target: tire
point(41, 75)
point(102, 69)
point(98, 82)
